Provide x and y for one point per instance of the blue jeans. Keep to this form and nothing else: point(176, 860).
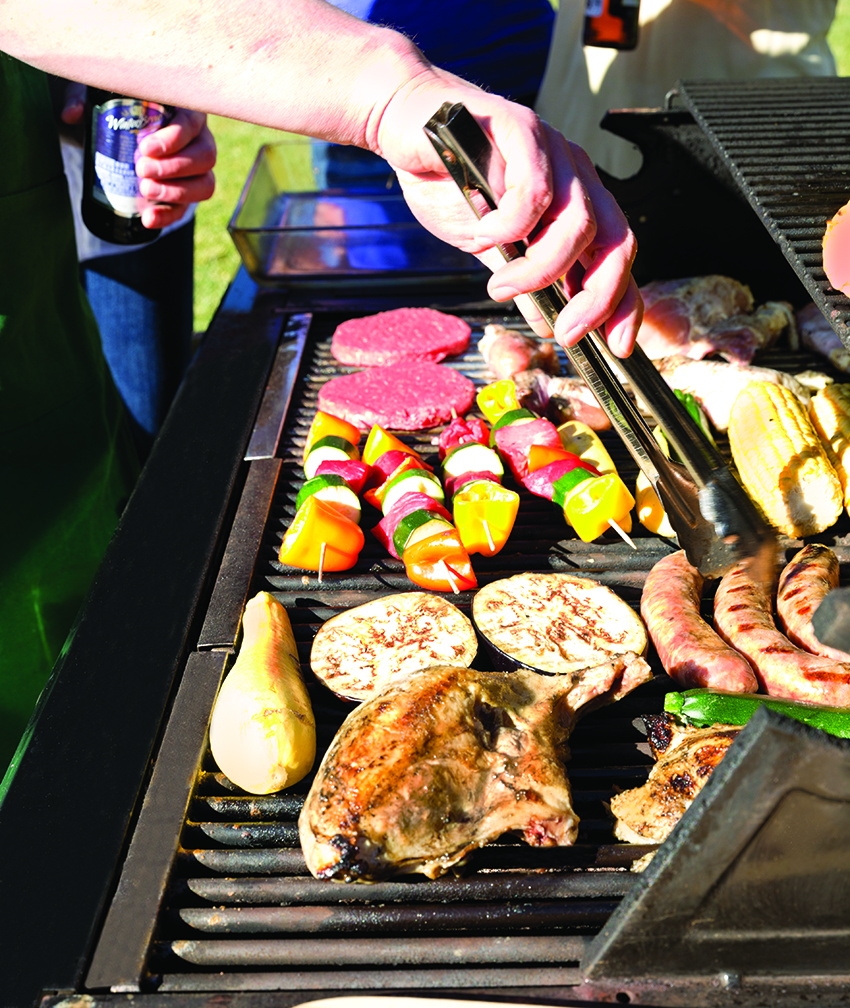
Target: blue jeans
point(142, 300)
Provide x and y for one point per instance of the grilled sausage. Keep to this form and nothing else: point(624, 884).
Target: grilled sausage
point(690, 651)
point(743, 619)
point(803, 583)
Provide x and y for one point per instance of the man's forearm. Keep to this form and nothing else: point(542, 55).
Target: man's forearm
point(297, 65)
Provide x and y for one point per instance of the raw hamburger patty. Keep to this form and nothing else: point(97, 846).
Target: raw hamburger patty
point(409, 396)
point(404, 334)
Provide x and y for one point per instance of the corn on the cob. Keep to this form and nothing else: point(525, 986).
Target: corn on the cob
point(829, 412)
point(782, 462)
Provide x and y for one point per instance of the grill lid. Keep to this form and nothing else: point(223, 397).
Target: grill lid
point(785, 143)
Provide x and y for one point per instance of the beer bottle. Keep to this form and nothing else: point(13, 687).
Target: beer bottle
point(112, 203)
point(612, 24)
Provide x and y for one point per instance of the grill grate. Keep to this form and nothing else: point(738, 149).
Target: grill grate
point(239, 911)
point(785, 141)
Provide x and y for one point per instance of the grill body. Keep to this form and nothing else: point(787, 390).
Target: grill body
point(137, 875)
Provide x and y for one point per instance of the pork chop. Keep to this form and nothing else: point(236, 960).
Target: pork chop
point(444, 760)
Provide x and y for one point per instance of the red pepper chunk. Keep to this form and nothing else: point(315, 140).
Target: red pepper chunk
point(484, 515)
point(440, 563)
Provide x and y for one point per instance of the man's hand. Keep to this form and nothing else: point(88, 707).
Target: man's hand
point(175, 166)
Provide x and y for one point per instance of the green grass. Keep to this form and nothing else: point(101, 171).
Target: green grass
point(216, 259)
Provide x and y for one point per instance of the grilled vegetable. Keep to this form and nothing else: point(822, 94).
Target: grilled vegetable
point(326, 424)
point(702, 707)
point(439, 562)
point(380, 441)
point(358, 651)
point(555, 623)
point(411, 480)
point(484, 513)
point(829, 411)
point(650, 510)
point(596, 503)
point(386, 529)
point(782, 461)
point(333, 490)
point(321, 538)
point(497, 398)
point(578, 438)
point(262, 731)
point(472, 457)
point(374, 495)
point(332, 446)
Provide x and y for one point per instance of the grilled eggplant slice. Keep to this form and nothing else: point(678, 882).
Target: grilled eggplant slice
point(554, 623)
point(357, 652)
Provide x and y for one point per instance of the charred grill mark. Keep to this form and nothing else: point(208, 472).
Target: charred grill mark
point(779, 649)
point(747, 627)
point(738, 606)
point(682, 783)
point(794, 591)
point(824, 675)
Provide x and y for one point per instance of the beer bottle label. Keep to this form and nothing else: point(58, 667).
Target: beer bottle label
point(118, 126)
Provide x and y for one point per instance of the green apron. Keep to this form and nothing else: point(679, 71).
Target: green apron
point(67, 462)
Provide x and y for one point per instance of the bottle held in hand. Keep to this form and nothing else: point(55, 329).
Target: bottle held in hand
point(112, 203)
point(612, 24)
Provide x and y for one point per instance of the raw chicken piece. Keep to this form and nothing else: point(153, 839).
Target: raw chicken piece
point(507, 352)
point(445, 760)
point(817, 334)
point(560, 398)
point(706, 315)
point(685, 758)
point(716, 384)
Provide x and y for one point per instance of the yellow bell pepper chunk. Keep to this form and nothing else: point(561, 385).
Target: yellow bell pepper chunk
point(583, 441)
point(497, 398)
point(484, 514)
point(595, 503)
point(380, 441)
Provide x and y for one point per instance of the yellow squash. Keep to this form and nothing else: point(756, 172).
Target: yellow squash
point(262, 730)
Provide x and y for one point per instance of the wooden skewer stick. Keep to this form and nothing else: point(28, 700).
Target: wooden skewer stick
point(322, 560)
point(620, 532)
point(449, 577)
point(490, 542)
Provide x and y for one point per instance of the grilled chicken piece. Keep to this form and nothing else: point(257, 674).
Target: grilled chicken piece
point(445, 760)
point(715, 384)
point(699, 316)
point(685, 758)
point(507, 352)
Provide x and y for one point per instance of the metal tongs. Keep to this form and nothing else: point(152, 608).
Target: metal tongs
point(716, 523)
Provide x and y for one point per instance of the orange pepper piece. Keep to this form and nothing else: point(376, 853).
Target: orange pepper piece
point(317, 524)
point(540, 455)
point(440, 562)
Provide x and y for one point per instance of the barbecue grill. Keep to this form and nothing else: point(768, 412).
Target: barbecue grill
point(134, 873)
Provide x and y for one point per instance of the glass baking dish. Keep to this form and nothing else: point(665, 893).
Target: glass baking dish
point(311, 211)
